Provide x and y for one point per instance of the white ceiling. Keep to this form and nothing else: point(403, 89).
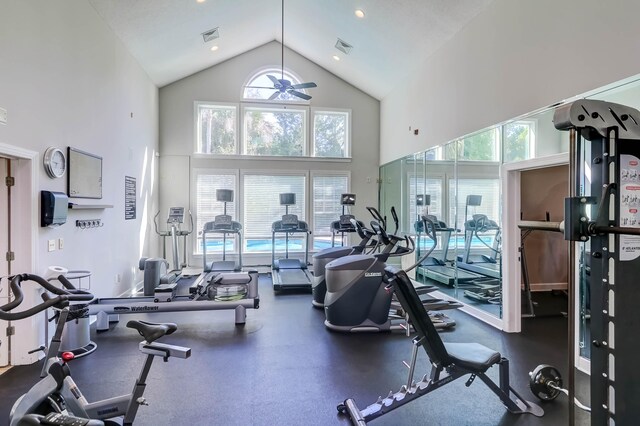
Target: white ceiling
point(394, 36)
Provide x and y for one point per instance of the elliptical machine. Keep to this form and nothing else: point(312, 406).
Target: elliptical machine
point(323, 257)
point(158, 274)
point(357, 300)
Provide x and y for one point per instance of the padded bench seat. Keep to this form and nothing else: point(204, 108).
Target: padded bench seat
point(473, 356)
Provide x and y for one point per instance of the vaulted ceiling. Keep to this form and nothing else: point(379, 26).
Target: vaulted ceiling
point(394, 36)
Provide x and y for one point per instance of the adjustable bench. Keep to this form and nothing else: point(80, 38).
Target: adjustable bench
point(449, 362)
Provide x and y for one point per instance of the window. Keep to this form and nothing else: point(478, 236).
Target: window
point(330, 133)
point(518, 141)
point(207, 207)
point(271, 124)
point(261, 204)
point(215, 129)
point(259, 86)
point(483, 146)
point(274, 131)
point(326, 207)
point(430, 187)
point(489, 189)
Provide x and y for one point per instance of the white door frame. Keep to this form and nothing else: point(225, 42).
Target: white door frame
point(24, 223)
point(511, 273)
point(4, 269)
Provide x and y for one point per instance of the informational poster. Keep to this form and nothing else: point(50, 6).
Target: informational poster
point(129, 197)
point(630, 205)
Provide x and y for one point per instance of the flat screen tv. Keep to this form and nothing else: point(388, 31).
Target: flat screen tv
point(84, 177)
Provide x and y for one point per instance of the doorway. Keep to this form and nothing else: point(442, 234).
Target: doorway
point(23, 234)
point(5, 247)
point(512, 208)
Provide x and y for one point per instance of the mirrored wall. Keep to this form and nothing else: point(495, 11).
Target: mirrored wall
point(458, 187)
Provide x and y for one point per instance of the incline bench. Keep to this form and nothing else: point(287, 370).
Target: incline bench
point(449, 362)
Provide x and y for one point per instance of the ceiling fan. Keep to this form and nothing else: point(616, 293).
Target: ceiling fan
point(281, 85)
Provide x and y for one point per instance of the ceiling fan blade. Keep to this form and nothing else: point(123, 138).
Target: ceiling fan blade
point(259, 87)
point(304, 85)
point(273, 79)
point(274, 96)
point(299, 94)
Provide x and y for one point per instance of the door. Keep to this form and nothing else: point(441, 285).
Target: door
point(4, 264)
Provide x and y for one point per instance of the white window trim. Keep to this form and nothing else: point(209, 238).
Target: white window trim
point(284, 106)
point(194, 199)
point(196, 127)
point(312, 130)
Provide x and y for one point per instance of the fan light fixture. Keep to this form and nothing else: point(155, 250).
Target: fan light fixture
point(281, 85)
point(214, 47)
point(336, 57)
point(359, 13)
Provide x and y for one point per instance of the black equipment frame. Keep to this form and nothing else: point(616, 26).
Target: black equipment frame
point(607, 142)
point(445, 366)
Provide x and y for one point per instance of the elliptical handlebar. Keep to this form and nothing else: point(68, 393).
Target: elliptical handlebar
point(396, 221)
point(430, 231)
point(64, 296)
point(393, 240)
point(377, 216)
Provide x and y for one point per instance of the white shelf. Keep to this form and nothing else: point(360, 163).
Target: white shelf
point(75, 206)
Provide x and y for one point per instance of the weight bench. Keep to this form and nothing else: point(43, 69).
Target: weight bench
point(449, 361)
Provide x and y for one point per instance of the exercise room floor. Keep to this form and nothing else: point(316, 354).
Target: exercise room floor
point(284, 368)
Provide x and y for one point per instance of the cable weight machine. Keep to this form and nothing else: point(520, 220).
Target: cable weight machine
point(603, 210)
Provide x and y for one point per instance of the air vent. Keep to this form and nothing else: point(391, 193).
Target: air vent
point(343, 46)
point(210, 35)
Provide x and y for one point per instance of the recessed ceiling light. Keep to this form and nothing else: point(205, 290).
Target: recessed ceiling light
point(359, 13)
point(336, 57)
point(201, 1)
point(214, 48)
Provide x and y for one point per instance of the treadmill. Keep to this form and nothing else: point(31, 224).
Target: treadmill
point(435, 268)
point(487, 265)
point(286, 273)
point(227, 227)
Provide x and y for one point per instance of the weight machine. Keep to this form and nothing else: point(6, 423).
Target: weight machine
point(603, 211)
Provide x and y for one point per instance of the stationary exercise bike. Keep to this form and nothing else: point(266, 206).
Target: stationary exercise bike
point(56, 399)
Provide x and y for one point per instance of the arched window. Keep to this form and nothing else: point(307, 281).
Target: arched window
point(260, 86)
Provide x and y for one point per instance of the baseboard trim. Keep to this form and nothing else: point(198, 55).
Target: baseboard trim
point(548, 286)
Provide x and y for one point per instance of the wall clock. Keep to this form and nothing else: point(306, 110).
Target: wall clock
point(55, 162)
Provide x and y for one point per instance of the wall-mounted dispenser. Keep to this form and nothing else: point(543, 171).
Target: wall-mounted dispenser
point(53, 208)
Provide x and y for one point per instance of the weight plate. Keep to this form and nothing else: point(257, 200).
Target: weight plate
point(541, 378)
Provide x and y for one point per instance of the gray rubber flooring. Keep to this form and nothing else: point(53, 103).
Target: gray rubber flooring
point(284, 368)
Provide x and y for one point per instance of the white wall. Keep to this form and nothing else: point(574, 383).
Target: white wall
point(67, 80)
point(516, 56)
point(224, 83)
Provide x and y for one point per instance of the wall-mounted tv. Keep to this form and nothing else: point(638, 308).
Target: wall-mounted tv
point(84, 177)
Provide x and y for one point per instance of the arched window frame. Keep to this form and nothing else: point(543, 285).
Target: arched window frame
point(277, 72)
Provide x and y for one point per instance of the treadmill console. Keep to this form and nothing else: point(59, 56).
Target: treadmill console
point(345, 221)
point(176, 215)
point(222, 220)
point(290, 220)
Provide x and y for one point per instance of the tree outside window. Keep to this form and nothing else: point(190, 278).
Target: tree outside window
point(330, 133)
point(216, 129)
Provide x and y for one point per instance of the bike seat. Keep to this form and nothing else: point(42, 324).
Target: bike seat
point(152, 331)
